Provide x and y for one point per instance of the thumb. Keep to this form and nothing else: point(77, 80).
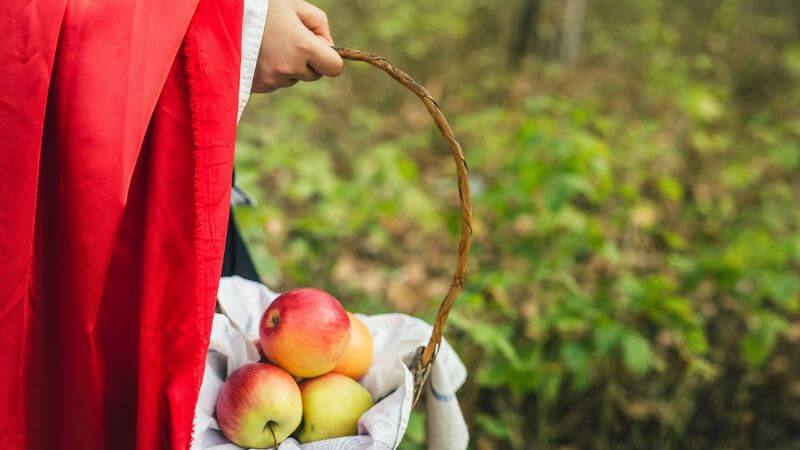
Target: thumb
point(324, 59)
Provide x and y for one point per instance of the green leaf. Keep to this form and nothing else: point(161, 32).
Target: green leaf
point(576, 358)
point(636, 353)
point(670, 188)
point(493, 426)
point(550, 385)
point(757, 345)
point(702, 104)
point(493, 338)
point(607, 337)
point(696, 340)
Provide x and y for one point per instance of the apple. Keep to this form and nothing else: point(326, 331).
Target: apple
point(305, 331)
point(259, 406)
point(261, 356)
point(332, 405)
point(358, 357)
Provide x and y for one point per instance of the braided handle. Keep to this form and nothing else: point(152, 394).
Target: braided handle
point(424, 360)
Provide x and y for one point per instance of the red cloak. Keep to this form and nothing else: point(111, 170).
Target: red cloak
point(117, 127)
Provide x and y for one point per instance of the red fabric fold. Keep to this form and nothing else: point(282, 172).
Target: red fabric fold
point(117, 126)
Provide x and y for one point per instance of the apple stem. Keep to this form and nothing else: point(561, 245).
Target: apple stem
point(271, 425)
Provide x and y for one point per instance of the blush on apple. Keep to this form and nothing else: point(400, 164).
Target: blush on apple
point(358, 357)
point(305, 331)
point(332, 405)
point(259, 406)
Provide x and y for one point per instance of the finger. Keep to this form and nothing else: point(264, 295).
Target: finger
point(279, 85)
point(309, 74)
point(288, 83)
point(315, 20)
point(324, 59)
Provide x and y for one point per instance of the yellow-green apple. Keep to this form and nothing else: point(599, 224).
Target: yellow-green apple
point(259, 406)
point(332, 405)
point(305, 331)
point(358, 357)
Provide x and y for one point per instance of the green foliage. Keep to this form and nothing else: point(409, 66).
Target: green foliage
point(634, 281)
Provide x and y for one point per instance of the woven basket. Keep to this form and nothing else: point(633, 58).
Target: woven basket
point(425, 356)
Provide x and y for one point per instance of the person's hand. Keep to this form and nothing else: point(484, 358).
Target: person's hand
point(296, 46)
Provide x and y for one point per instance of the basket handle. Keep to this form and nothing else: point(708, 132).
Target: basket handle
point(424, 360)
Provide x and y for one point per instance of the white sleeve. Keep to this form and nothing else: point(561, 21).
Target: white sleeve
point(255, 16)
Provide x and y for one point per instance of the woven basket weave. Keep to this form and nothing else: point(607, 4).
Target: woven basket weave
point(426, 355)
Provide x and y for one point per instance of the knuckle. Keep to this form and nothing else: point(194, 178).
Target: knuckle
point(272, 81)
point(305, 46)
point(284, 70)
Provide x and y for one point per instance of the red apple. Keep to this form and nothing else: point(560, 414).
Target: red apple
point(259, 406)
point(305, 331)
point(261, 356)
point(358, 357)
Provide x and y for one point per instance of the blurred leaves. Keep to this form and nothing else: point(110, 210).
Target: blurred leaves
point(759, 342)
point(635, 275)
point(636, 353)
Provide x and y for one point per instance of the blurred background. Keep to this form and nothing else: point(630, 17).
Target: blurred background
point(635, 278)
